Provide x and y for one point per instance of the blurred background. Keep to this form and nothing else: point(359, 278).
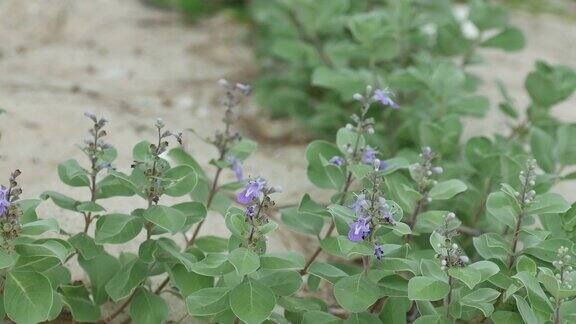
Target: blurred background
point(135, 60)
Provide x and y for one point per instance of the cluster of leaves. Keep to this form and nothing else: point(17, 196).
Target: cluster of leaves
point(191, 10)
point(398, 252)
point(315, 54)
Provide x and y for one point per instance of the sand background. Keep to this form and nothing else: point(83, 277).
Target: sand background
point(132, 63)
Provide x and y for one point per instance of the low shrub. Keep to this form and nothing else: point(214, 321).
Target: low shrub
point(411, 238)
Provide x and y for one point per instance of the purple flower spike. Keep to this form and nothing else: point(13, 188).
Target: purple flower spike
point(4, 203)
point(378, 251)
point(336, 160)
point(251, 191)
point(383, 97)
point(250, 211)
point(236, 167)
point(359, 230)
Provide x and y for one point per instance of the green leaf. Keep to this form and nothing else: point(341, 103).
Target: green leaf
point(320, 172)
point(61, 200)
point(72, 174)
point(510, 39)
point(244, 260)
point(492, 246)
point(548, 249)
point(300, 222)
point(54, 248)
point(327, 271)
point(346, 138)
point(548, 203)
point(469, 276)
point(342, 217)
point(117, 228)
point(243, 149)
point(167, 218)
point(100, 270)
point(208, 301)
point(77, 298)
point(89, 206)
point(566, 146)
point(506, 317)
point(542, 146)
point(28, 207)
point(345, 82)
point(426, 288)
point(252, 301)
point(502, 208)
point(112, 186)
point(318, 317)
point(549, 85)
point(86, 246)
point(213, 265)
point(282, 283)
point(169, 251)
point(148, 308)
point(447, 189)
point(526, 311)
point(126, 280)
point(282, 261)
point(362, 318)
point(6, 260)
point(28, 297)
point(524, 263)
point(341, 246)
point(179, 181)
point(189, 282)
point(211, 244)
point(481, 299)
point(356, 293)
point(194, 211)
point(41, 226)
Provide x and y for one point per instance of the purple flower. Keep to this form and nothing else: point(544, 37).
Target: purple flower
point(383, 97)
point(251, 191)
point(236, 166)
point(359, 205)
point(336, 160)
point(250, 211)
point(368, 155)
point(378, 251)
point(359, 230)
point(4, 203)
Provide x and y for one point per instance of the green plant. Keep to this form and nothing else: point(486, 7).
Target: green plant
point(315, 54)
point(412, 238)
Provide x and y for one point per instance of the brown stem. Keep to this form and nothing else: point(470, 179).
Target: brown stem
point(377, 307)
point(121, 308)
point(557, 313)
point(330, 229)
point(482, 205)
point(448, 299)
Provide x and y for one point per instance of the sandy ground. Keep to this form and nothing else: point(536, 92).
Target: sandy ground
point(130, 63)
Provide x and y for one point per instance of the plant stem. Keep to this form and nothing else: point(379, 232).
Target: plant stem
point(110, 318)
point(557, 311)
point(330, 229)
point(512, 256)
point(482, 205)
point(448, 299)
